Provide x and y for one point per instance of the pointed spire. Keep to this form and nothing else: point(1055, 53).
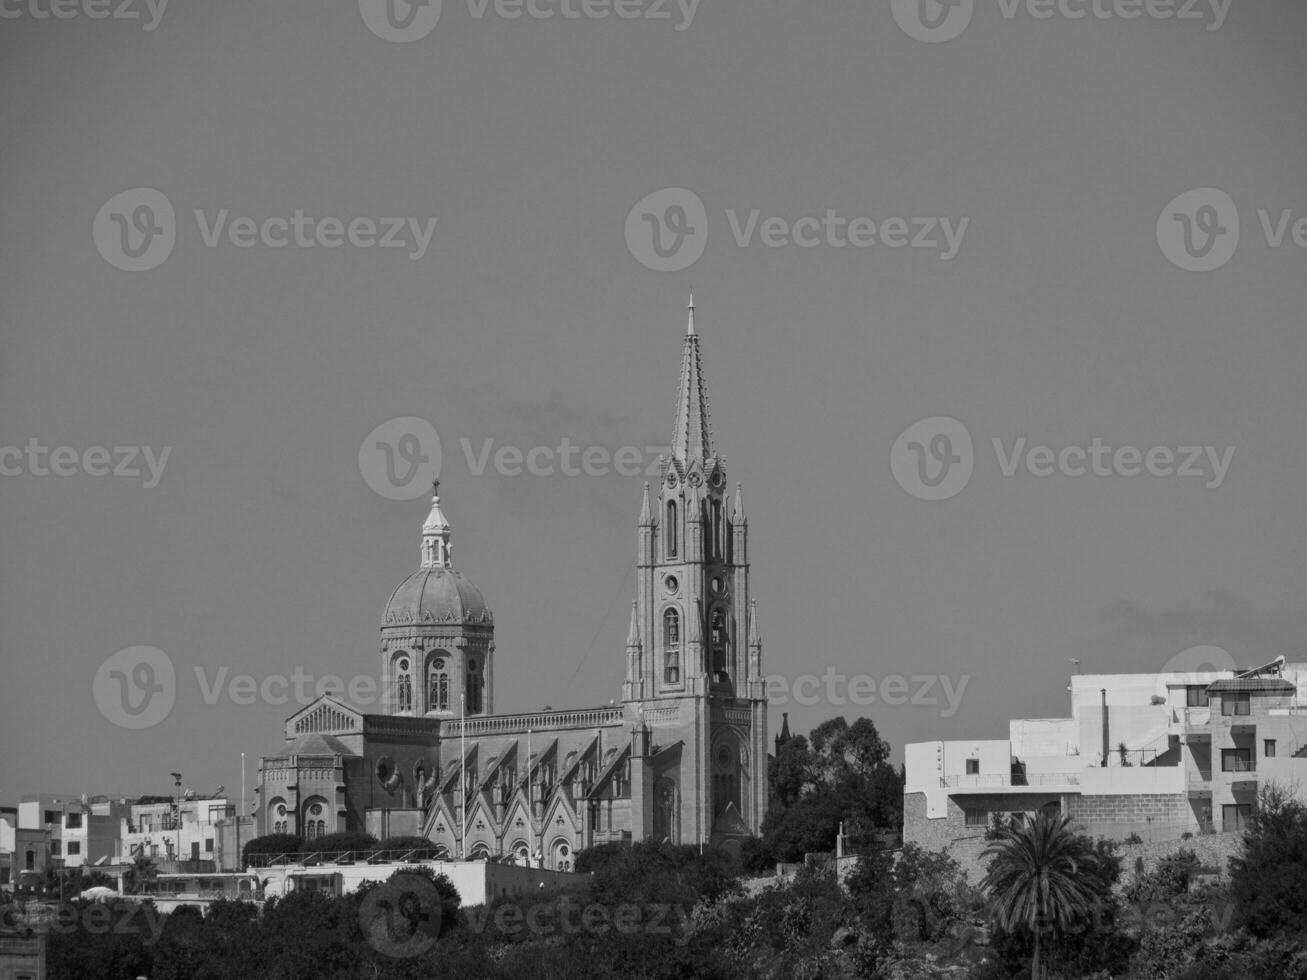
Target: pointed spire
point(737, 510)
point(784, 736)
point(693, 436)
point(436, 534)
point(633, 634)
point(754, 639)
point(646, 512)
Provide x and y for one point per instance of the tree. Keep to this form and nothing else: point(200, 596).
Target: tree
point(1266, 880)
point(140, 875)
point(270, 846)
point(1042, 879)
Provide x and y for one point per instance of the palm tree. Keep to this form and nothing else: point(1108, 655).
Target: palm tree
point(141, 872)
point(1041, 878)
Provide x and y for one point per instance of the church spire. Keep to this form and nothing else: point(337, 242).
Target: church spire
point(693, 437)
point(437, 551)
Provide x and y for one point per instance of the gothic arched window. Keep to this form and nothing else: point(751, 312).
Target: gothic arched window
point(475, 687)
point(715, 549)
point(718, 643)
point(403, 685)
point(673, 531)
point(438, 686)
point(671, 647)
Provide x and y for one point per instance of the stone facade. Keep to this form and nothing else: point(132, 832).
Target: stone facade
point(682, 758)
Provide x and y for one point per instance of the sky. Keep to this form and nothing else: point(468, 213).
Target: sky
point(906, 242)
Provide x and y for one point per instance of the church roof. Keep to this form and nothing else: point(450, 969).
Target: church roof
point(436, 595)
point(315, 744)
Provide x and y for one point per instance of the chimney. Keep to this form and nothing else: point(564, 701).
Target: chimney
point(1106, 740)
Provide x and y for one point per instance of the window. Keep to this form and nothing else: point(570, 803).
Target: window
point(74, 847)
point(475, 686)
point(1235, 816)
point(1235, 703)
point(208, 845)
point(977, 818)
point(438, 687)
point(1196, 697)
point(55, 846)
point(671, 647)
point(403, 686)
point(51, 816)
point(1237, 760)
point(73, 821)
point(672, 530)
point(29, 859)
point(1268, 748)
point(973, 767)
point(717, 643)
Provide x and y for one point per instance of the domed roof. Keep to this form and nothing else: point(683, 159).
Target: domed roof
point(436, 595)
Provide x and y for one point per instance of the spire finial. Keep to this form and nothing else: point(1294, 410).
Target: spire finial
point(437, 552)
point(693, 436)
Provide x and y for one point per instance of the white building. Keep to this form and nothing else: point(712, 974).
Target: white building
point(1152, 755)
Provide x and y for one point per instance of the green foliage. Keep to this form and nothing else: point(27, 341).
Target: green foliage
point(269, 846)
point(1266, 880)
point(1046, 883)
point(1171, 877)
point(840, 774)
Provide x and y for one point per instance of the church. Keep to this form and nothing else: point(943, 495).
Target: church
point(681, 758)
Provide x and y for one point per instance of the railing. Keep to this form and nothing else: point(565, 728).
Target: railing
point(547, 721)
point(1002, 781)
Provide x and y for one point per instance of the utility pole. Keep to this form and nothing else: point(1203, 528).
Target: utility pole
point(462, 731)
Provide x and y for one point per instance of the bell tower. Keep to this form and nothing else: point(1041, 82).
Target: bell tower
point(694, 672)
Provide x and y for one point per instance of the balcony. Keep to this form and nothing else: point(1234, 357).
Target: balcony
point(990, 782)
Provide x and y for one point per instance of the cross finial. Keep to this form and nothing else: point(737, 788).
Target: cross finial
point(435, 486)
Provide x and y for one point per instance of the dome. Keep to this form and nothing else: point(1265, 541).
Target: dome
point(436, 595)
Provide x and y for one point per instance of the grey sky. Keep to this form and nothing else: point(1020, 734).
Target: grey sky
point(528, 320)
